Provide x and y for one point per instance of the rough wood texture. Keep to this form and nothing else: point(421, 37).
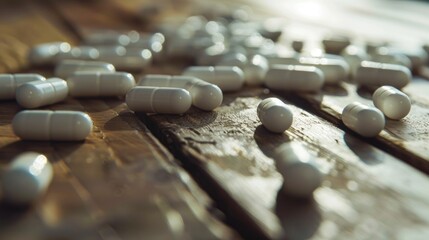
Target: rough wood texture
point(120, 183)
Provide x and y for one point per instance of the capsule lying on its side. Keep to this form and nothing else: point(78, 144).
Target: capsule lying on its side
point(379, 74)
point(40, 93)
point(366, 121)
point(294, 78)
point(225, 77)
point(66, 68)
point(10, 82)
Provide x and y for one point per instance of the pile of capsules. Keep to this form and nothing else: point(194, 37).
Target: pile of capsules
point(229, 53)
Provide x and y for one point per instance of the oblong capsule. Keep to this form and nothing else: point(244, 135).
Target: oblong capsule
point(40, 93)
point(26, 178)
point(379, 74)
point(46, 53)
point(233, 59)
point(301, 175)
point(84, 84)
point(366, 121)
point(78, 53)
point(10, 82)
point(205, 96)
point(354, 55)
point(106, 37)
point(225, 77)
point(159, 100)
point(392, 102)
point(294, 78)
point(386, 55)
point(66, 68)
point(46, 125)
point(274, 115)
point(255, 70)
point(125, 58)
point(334, 70)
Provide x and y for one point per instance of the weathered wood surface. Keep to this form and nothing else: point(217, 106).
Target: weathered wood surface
point(120, 183)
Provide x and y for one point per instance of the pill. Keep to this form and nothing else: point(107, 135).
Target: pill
point(46, 125)
point(294, 78)
point(301, 175)
point(417, 56)
point(297, 45)
point(79, 53)
point(10, 82)
point(106, 37)
point(366, 121)
point(159, 100)
point(386, 55)
point(66, 68)
point(40, 93)
point(125, 58)
point(84, 84)
point(274, 115)
point(233, 59)
point(225, 77)
point(335, 44)
point(334, 70)
point(46, 53)
point(354, 55)
point(211, 55)
point(255, 70)
point(379, 74)
point(26, 178)
point(205, 96)
point(392, 102)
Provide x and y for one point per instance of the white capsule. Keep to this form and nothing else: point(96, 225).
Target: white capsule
point(159, 100)
point(294, 78)
point(66, 68)
point(392, 102)
point(46, 125)
point(365, 120)
point(46, 53)
point(211, 55)
point(26, 178)
point(79, 53)
point(301, 175)
point(225, 77)
point(205, 96)
point(379, 74)
point(83, 84)
point(106, 37)
point(255, 70)
point(354, 56)
point(233, 59)
point(40, 93)
point(386, 55)
point(125, 58)
point(334, 70)
point(10, 82)
point(274, 115)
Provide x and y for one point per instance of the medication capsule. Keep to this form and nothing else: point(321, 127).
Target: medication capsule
point(84, 84)
point(379, 74)
point(79, 53)
point(46, 53)
point(106, 37)
point(40, 93)
point(46, 125)
point(225, 77)
point(26, 178)
point(255, 70)
point(385, 55)
point(294, 78)
point(159, 100)
point(9, 83)
point(354, 56)
point(233, 59)
point(125, 58)
point(66, 68)
point(301, 175)
point(274, 115)
point(205, 96)
point(366, 121)
point(392, 102)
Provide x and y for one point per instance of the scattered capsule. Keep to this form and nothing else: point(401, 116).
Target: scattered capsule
point(106, 37)
point(255, 70)
point(274, 115)
point(225, 77)
point(67, 68)
point(354, 56)
point(205, 96)
point(159, 100)
point(233, 59)
point(125, 58)
point(294, 78)
point(379, 74)
point(27, 178)
point(301, 175)
point(417, 56)
point(392, 102)
point(386, 55)
point(79, 53)
point(10, 82)
point(46, 53)
point(40, 93)
point(335, 44)
point(84, 84)
point(46, 125)
point(366, 121)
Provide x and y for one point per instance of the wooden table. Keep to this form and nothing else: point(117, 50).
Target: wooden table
point(210, 175)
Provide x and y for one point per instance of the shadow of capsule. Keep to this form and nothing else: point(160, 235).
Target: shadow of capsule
point(366, 152)
point(268, 141)
point(300, 218)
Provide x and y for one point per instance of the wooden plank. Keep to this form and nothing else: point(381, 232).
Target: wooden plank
point(119, 183)
point(231, 152)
